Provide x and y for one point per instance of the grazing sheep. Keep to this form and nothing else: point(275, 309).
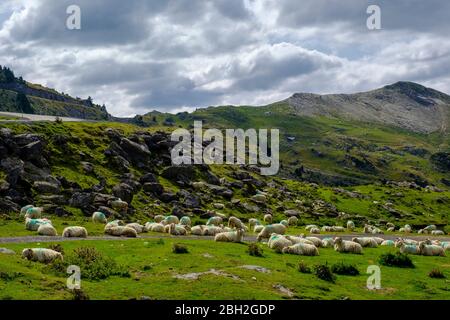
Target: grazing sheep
point(136, 226)
point(316, 241)
point(327, 243)
point(47, 230)
point(391, 229)
point(233, 236)
point(390, 225)
point(431, 227)
point(292, 221)
point(33, 213)
point(366, 242)
point(41, 255)
point(214, 221)
point(211, 230)
point(347, 246)
point(157, 227)
point(170, 219)
point(23, 210)
point(284, 223)
point(409, 248)
point(431, 250)
point(177, 230)
point(75, 232)
point(438, 233)
point(278, 242)
point(326, 229)
point(268, 218)
point(269, 229)
point(253, 222)
point(310, 226)
point(388, 243)
point(258, 228)
point(350, 225)
point(301, 249)
point(185, 221)
point(99, 217)
point(33, 224)
point(114, 223)
point(234, 222)
point(122, 231)
point(158, 218)
point(314, 230)
point(295, 240)
point(197, 230)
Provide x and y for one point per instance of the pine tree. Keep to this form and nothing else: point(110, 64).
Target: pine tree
point(23, 105)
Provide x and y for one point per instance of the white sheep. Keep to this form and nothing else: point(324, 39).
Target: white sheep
point(390, 229)
point(438, 233)
point(75, 232)
point(269, 229)
point(314, 231)
point(170, 219)
point(233, 236)
point(33, 213)
point(390, 225)
point(366, 242)
point(326, 229)
point(122, 231)
point(157, 227)
point(176, 229)
point(158, 218)
point(268, 218)
point(430, 228)
point(136, 226)
point(47, 230)
point(347, 246)
point(292, 221)
point(310, 226)
point(258, 228)
point(23, 210)
point(197, 230)
point(431, 250)
point(409, 248)
point(234, 222)
point(337, 229)
point(278, 242)
point(406, 229)
point(388, 243)
point(41, 255)
point(302, 249)
point(211, 230)
point(316, 241)
point(119, 205)
point(295, 240)
point(214, 221)
point(350, 225)
point(33, 224)
point(284, 223)
point(378, 240)
point(99, 217)
point(185, 221)
point(327, 243)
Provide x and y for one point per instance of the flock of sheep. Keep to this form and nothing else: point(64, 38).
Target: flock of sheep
point(235, 230)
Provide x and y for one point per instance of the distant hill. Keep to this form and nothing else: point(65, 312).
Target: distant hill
point(16, 93)
point(406, 105)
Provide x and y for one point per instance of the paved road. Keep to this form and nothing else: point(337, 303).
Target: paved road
point(31, 239)
point(36, 117)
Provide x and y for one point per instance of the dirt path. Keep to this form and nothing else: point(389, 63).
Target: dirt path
point(31, 239)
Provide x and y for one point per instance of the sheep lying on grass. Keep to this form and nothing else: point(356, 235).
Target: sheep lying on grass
point(327, 243)
point(347, 246)
point(301, 249)
point(156, 227)
point(236, 223)
point(366, 242)
point(119, 205)
point(269, 229)
point(389, 243)
point(409, 248)
point(406, 229)
point(253, 222)
point(211, 230)
point(185, 221)
point(41, 255)
point(310, 226)
point(258, 228)
point(47, 230)
point(278, 242)
point(176, 230)
point(268, 218)
point(438, 233)
point(232, 236)
point(292, 221)
point(75, 232)
point(391, 229)
point(316, 241)
point(314, 231)
point(372, 229)
point(214, 221)
point(296, 240)
point(33, 224)
point(23, 210)
point(431, 250)
point(158, 218)
point(136, 226)
point(99, 217)
point(197, 230)
point(284, 223)
point(122, 231)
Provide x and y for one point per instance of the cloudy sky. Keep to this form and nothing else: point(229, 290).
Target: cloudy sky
point(172, 55)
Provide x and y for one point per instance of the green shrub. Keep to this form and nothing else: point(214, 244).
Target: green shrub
point(322, 271)
point(179, 248)
point(255, 250)
point(57, 247)
point(344, 269)
point(437, 274)
point(93, 264)
point(303, 267)
point(79, 294)
point(398, 259)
